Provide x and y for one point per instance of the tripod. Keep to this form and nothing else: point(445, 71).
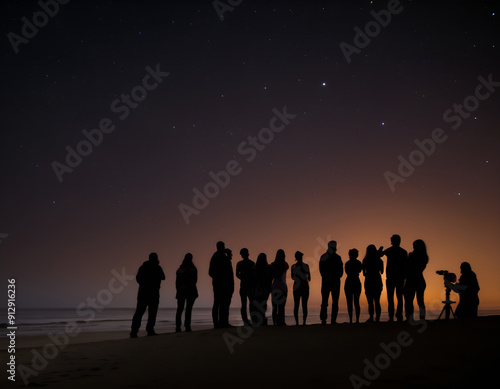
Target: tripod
point(447, 306)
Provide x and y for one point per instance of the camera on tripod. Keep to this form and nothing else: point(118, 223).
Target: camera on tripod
point(451, 277)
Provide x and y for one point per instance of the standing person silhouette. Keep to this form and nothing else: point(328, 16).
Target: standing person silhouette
point(279, 290)
point(263, 287)
point(331, 269)
point(301, 276)
point(149, 278)
point(245, 271)
point(395, 275)
point(468, 288)
point(185, 283)
point(415, 282)
point(352, 285)
point(221, 271)
point(373, 268)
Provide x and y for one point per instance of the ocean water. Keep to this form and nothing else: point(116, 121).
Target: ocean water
point(44, 321)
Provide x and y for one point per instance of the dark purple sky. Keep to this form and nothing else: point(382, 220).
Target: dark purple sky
point(323, 175)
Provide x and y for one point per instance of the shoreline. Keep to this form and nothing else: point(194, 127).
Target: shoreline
point(24, 341)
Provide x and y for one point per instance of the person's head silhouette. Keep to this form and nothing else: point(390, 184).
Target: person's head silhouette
point(371, 251)
point(332, 246)
point(465, 268)
point(299, 256)
point(244, 253)
point(262, 260)
point(419, 246)
point(153, 257)
point(229, 253)
point(353, 254)
point(395, 240)
point(220, 246)
point(188, 260)
point(280, 256)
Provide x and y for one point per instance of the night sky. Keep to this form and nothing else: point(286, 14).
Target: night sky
point(184, 97)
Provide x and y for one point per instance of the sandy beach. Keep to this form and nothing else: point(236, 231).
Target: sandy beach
point(385, 355)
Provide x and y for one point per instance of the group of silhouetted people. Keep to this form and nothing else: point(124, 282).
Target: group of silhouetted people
point(260, 280)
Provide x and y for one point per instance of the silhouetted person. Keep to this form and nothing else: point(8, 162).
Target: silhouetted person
point(148, 277)
point(468, 288)
point(221, 271)
point(373, 268)
point(263, 287)
point(415, 282)
point(279, 290)
point(331, 269)
point(352, 285)
point(185, 283)
point(395, 275)
point(301, 276)
point(245, 271)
